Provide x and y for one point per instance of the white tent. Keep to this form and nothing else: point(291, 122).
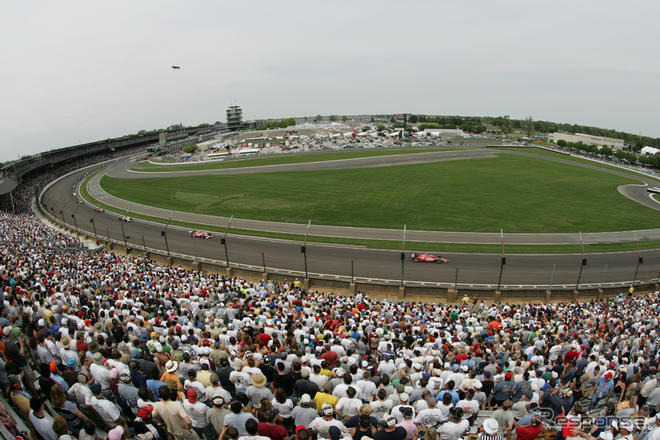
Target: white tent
point(650, 151)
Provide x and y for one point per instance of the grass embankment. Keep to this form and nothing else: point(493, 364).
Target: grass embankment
point(510, 192)
point(566, 156)
point(281, 159)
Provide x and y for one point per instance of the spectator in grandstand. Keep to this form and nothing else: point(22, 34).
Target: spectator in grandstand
point(41, 422)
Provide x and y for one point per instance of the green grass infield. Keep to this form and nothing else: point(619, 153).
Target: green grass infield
point(514, 193)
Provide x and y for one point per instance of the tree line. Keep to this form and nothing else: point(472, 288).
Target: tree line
point(630, 156)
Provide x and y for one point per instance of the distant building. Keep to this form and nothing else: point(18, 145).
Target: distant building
point(587, 139)
point(444, 132)
point(650, 151)
point(400, 120)
point(234, 117)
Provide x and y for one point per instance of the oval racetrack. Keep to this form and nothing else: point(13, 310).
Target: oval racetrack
point(477, 270)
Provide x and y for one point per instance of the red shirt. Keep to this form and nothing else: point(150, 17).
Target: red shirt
point(264, 338)
point(330, 357)
point(275, 432)
point(528, 432)
point(81, 346)
point(571, 356)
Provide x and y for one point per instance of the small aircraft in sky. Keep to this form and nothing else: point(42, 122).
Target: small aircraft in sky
point(175, 67)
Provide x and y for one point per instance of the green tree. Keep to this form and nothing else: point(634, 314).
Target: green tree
point(529, 126)
point(344, 118)
point(381, 127)
point(317, 118)
point(412, 119)
point(366, 128)
point(190, 148)
point(332, 118)
point(561, 143)
point(606, 151)
point(504, 123)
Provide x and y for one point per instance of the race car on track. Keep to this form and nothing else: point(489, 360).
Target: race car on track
point(428, 258)
point(200, 234)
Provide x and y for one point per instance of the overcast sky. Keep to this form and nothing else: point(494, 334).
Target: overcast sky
point(78, 71)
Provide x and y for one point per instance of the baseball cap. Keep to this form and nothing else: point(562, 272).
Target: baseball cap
point(192, 395)
point(116, 433)
point(145, 411)
point(327, 409)
point(218, 400)
point(627, 425)
point(305, 398)
point(389, 421)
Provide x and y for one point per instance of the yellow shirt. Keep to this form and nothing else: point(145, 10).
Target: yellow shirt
point(204, 376)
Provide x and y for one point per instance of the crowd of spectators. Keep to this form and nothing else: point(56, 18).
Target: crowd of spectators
point(96, 345)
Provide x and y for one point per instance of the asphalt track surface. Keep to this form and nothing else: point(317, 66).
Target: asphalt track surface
point(473, 270)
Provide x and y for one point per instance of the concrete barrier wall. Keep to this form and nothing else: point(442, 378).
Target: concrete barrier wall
point(392, 291)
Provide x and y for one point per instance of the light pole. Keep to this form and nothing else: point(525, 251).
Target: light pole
point(263, 260)
point(73, 216)
point(640, 260)
point(167, 247)
point(123, 234)
point(223, 240)
point(91, 220)
point(502, 260)
point(583, 263)
point(303, 248)
point(163, 234)
point(403, 255)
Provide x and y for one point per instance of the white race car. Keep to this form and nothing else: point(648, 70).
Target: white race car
point(200, 234)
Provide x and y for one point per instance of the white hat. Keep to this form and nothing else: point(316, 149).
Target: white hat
point(390, 421)
point(477, 384)
point(464, 367)
point(403, 397)
point(171, 366)
point(491, 426)
point(627, 425)
point(606, 435)
point(305, 398)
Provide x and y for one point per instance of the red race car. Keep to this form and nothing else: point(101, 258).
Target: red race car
point(428, 258)
point(200, 234)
